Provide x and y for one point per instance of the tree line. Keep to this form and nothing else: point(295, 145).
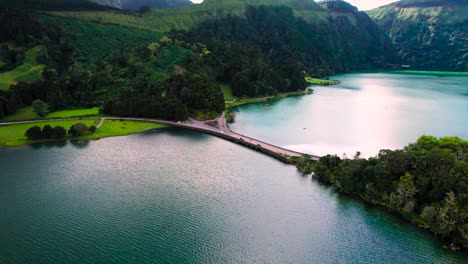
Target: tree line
point(426, 182)
point(58, 132)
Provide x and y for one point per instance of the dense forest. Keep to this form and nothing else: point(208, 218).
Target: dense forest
point(265, 51)
point(426, 182)
point(269, 50)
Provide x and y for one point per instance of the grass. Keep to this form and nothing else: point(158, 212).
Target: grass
point(267, 98)
point(227, 92)
point(438, 73)
point(315, 81)
point(74, 113)
point(25, 113)
point(28, 71)
point(13, 135)
point(112, 128)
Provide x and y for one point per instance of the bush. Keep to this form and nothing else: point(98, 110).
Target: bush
point(92, 129)
point(78, 129)
point(59, 132)
point(48, 132)
point(34, 133)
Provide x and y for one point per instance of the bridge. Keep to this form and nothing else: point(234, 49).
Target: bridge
point(217, 127)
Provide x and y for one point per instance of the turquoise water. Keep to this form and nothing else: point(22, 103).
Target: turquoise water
point(367, 112)
point(174, 196)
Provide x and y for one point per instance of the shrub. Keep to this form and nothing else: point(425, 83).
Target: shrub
point(92, 129)
point(59, 132)
point(78, 129)
point(48, 132)
point(34, 133)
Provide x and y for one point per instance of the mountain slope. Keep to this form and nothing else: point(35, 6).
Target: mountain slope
point(136, 4)
point(50, 5)
point(339, 36)
point(428, 34)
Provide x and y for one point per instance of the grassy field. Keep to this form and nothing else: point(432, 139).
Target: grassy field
point(112, 128)
point(315, 81)
point(438, 73)
point(13, 135)
point(227, 92)
point(75, 112)
point(26, 113)
point(28, 71)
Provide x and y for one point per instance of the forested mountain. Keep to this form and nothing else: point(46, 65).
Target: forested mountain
point(136, 4)
point(427, 34)
point(169, 62)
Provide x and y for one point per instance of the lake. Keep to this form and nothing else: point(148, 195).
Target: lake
point(174, 196)
point(366, 112)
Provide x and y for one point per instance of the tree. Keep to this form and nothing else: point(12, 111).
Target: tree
point(92, 129)
point(48, 132)
point(78, 129)
point(59, 132)
point(39, 107)
point(34, 133)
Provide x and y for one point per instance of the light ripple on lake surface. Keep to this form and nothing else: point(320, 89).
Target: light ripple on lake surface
point(182, 197)
point(366, 112)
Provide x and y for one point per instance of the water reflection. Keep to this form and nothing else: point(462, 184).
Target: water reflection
point(80, 144)
point(382, 111)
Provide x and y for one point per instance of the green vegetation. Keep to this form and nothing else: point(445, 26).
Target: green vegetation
point(112, 128)
point(94, 41)
point(427, 34)
point(315, 81)
point(29, 71)
point(227, 92)
point(39, 107)
point(164, 20)
point(144, 6)
point(25, 113)
point(74, 113)
point(13, 135)
point(50, 5)
point(78, 129)
point(244, 101)
point(426, 182)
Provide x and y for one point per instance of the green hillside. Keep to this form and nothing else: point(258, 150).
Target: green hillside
point(50, 4)
point(163, 20)
point(29, 71)
point(168, 63)
point(428, 34)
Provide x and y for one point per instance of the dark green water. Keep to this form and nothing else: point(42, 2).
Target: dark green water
point(174, 196)
point(367, 112)
point(182, 197)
